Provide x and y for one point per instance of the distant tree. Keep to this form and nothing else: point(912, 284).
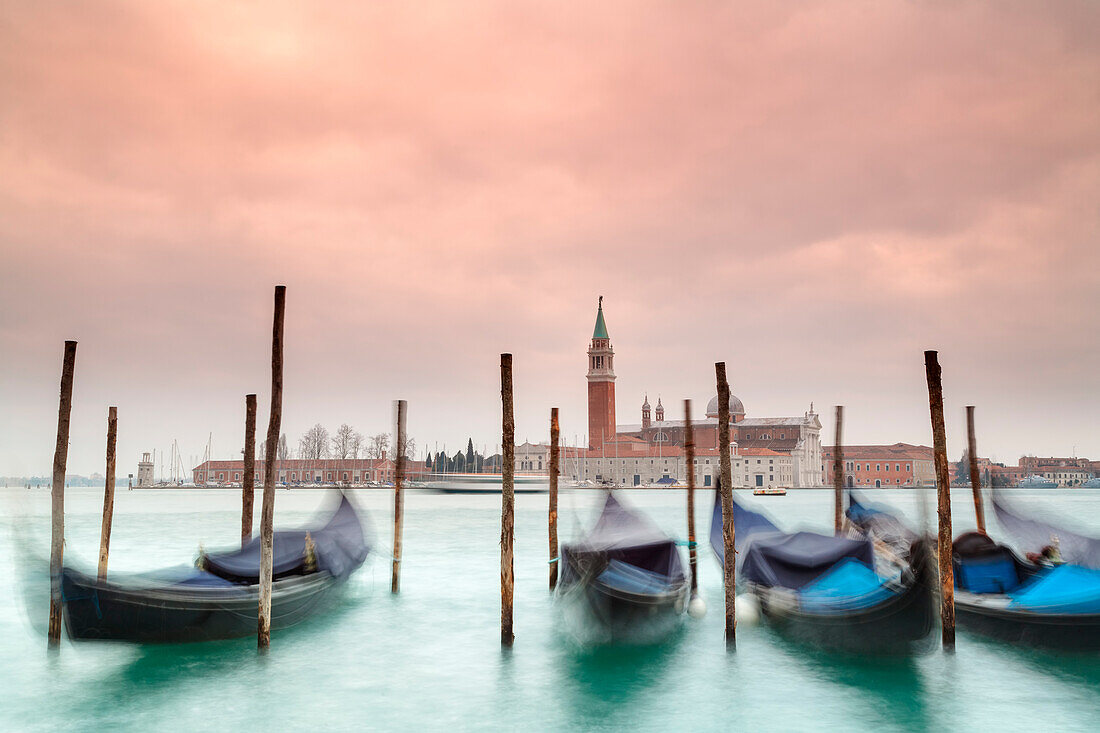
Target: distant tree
point(962, 468)
point(460, 462)
point(345, 442)
point(377, 444)
point(470, 464)
point(284, 449)
point(357, 445)
point(410, 447)
point(314, 444)
point(428, 462)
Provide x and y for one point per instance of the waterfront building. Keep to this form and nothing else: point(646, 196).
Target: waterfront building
point(145, 471)
point(879, 466)
point(652, 450)
point(350, 471)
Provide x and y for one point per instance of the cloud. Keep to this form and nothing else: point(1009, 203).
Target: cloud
point(818, 191)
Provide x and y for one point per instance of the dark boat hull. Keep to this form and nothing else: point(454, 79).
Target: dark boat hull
point(625, 617)
point(901, 624)
point(110, 612)
point(1073, 632)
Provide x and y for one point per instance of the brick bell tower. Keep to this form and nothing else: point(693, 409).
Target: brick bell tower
point(601, 385)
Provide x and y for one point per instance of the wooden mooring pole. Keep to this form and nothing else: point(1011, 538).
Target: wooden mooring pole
point(507, 502)
point(108, 493)
point(398, 497)
point(838, 472)
point(267, 509)
point(689, 449)
point(555, 453)
point(57, 494)
point(943, 494)
point(728, 539)
point(248, 486)
point(975, 476)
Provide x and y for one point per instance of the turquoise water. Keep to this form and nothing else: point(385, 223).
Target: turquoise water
point(430, 658)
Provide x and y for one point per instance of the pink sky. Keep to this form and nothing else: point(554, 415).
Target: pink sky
point(813, 195)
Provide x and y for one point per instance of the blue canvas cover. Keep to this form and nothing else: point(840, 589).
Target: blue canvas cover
point(794, 560)
point(1062, 589)
point(994, 573)
point(849, 585)
point(339, 548)
point(632, 579)
point(747, 524)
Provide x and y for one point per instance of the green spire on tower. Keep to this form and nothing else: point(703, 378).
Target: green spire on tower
point(600, 332)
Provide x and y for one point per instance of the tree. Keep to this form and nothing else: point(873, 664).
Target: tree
point(314, 444)
point(428, 462)
point(345, 442)
point(377, 444)
point(470, 464)
point(284, 449)
point(410, 447)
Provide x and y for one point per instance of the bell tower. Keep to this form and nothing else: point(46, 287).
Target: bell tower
point(660, 410)
point(645, 413)
point(601, 384)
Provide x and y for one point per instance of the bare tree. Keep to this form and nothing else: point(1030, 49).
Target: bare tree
point(357, 445)
point(377, 445)
point(410, 448)
point(314, 444)
point(346, 442)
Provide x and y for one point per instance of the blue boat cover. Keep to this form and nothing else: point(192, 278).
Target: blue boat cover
point(1062, 589)
point(747, 524)
point(794, 560)
point(339, 548)
point(849, 585)
point(994, 573)
point(632, 579)
point(628, 538)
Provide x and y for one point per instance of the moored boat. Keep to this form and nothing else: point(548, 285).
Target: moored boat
point(625, 576)
point(831, 591)
point(486, 483)
point(217, 599)
point(1049, 598)
point(1036, 482)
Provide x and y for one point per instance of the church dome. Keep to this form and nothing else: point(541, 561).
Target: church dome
point(736, 408)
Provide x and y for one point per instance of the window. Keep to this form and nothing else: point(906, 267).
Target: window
point(878, 467)
point(236, 477)
point(887, 466)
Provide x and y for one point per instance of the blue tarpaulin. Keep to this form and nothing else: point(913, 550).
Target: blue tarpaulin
point(849, 585)
point(1062, 589)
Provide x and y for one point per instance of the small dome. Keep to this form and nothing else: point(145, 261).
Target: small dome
point(645, 405)
point(736, 408)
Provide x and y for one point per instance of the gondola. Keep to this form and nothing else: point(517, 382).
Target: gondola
point(218, 597)
point(1049, 598)
point(625, 576)
point(833, 592)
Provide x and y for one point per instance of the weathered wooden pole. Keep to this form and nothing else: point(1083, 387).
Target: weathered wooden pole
point(689, 449)
point(507, 502)
point(975, 477)
point(943, 493)
point(267, 509)
point(398, 497)
point(838, 472)
point(108, 493)
point(248, 486)
point(555, 438)
point(728, 538)
point(57, 494)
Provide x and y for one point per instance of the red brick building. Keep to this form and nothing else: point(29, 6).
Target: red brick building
point(351, 471)
point(879, 466)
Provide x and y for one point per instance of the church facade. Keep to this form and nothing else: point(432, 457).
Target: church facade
point(766, 451)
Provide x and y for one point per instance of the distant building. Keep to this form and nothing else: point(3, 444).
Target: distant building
point(349, 471)
point(878, 466)
point(145, 471)
point(652, 450)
